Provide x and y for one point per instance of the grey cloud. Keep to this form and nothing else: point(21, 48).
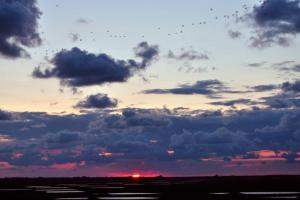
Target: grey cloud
point(234, 102)
point(97, 101)
point(277, 21)
point(260, 64)
point(82, 21)
point(234, 34)
point(74, 37)
point(77, 68)
point(188, 55)
point(18, 27)
point(291, 87)
point(5, 115)
point(146, 134)
point(264, 88)
point(147, 53)
point(210, 88)
point(295, 68)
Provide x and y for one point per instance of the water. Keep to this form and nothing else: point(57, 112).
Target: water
point(127, 198)
point(270, 193)
point(127, 189)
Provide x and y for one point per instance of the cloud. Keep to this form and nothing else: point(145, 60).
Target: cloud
point(295, 68)
point(287, 96)
point(188, 55)
point(264, 88)
point(284, 88)
point(187, 68)
point(290, 157)
point(97, 101)
point(233, 102)
point(157, 136)
point(82, 21)
point(75, 37)
point(260, 64)
point(210, 88)
point(62, 137)
point(234, 34)
point(282, 102)
point(148, 134)
point(5, 115)
point(283, 63)
point(147, 53)
point(291, 87)
point(276, 22)
point(18, 27)
point(77, 68)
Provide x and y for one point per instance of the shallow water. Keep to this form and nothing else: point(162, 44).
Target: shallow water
point(128, 189)
point(127, 198)
point(270, 193)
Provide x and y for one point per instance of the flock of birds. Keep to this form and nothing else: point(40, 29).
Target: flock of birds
point(237, 15)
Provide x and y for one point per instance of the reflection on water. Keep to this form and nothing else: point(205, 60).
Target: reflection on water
point(73, 198)
point(136, 190)
point(62, 191)
point(220, 193)
point(126, 198)
point(13, 190)
point(289, 197)
point(108, 187)
point(269, 193)
point(131, 194)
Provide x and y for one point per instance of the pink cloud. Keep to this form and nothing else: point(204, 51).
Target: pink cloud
point(64, 166)
point(6, 165)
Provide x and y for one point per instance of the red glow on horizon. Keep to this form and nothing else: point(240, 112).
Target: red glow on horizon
point(136, 176)
point(142, 174)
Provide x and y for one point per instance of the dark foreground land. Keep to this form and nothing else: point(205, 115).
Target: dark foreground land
point(206, 188)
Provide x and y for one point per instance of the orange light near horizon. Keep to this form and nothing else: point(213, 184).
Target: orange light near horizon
point(136, 176)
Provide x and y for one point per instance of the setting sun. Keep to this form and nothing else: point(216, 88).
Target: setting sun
point(136, 176)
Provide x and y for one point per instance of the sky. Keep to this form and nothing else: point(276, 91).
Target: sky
point(173, 88)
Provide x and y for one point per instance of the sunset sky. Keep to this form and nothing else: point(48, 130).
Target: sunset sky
point(177, 88)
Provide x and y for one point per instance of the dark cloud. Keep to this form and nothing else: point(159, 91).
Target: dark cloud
point(5, 115)
point(286, 97)
point(277, 21)
point(76, 67)
point(260, 64)
point(188, 55)
point(264, 88)
point(210, 88)
point(147, 53)
point(291, 87)
point(295, 68)
point(234, 34)
point(97, 101)
point(148, 134)
point(286, 88)
point(63, 137)
point(290, 157)
point(233, 102)
point(283, 63)
point(18, 27)
point(282, 102)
